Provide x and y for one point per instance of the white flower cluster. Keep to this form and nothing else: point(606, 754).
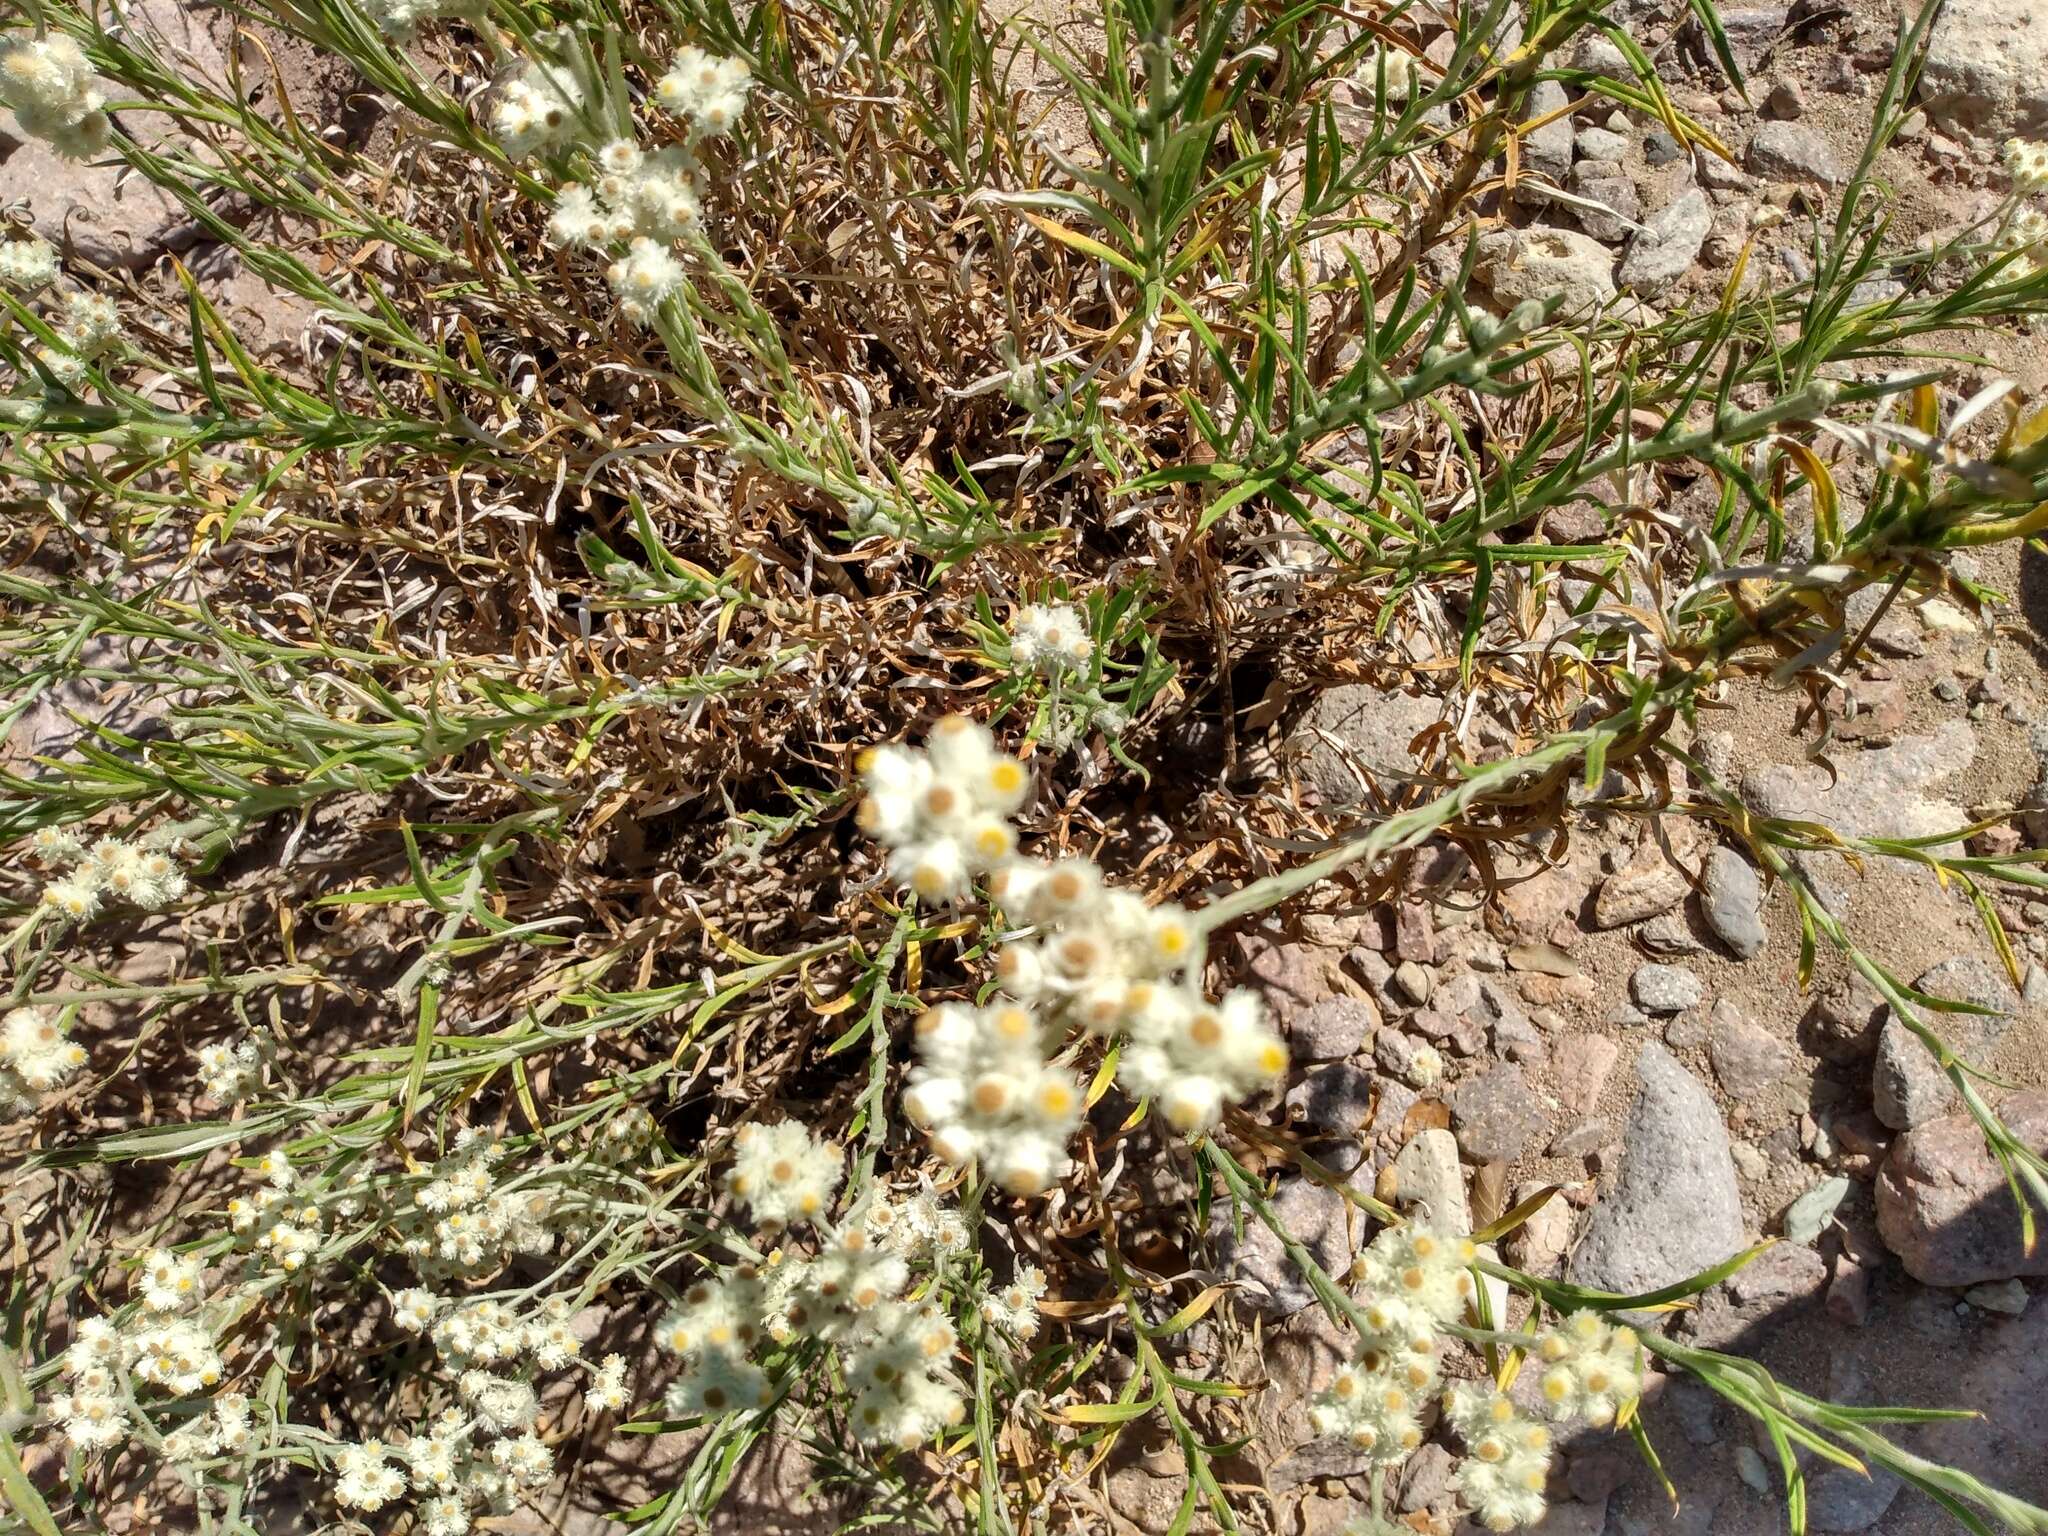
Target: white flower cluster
point(229, 1069)
point(223, 1430)
point(145, 877)
point(944, 811)
point(607, 1391)
point(2026, 232)
point(28, 265)
point(36, 1055)
point(401, 20)
point(475, 1224)
point(895, 1368)
point(1014, 1309)
point(281, 1224)
point(1418, 1279)
point(540, 104)
point(634, 195)
point(1117, 966)
point(1591, 1368)
point(2026, 160)
point(708, 91)
point(783, 1173)
point(1507, 1461)
point(1051, 638)
point(368, 1481)
point(984, 1088)
point(712, 1328)
point(50, 84)
point(159, 1346)
point(919, 1226)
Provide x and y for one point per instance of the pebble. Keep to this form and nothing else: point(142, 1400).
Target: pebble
point(1336, 1098)
point(2009, 1298)
point(1427, 1174)
point(1793, 152)
point(1843, 1499)
point(1647, 885)
point(1334, 1028)
point(1665, 249)
point(1942, 1202)
point(1497, 1114)
point(1661, 988)
point(1584, 1063)
point(1601, 144)
point(1749, 1061)
point(1732, 901)
point(1659, 148)
point(1319, 1219)
point(1786, 100)
point(1413, 982)
point(1540, 263)
point(1676, 1208)
point(1908, 1087)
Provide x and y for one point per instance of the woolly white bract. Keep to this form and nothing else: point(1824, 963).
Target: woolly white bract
point(2026, 160)
point(27, 265)
point(783, 1173)
point(55, 94)
point(36, 1055)
point(709, 91)
point(943, 811)
point(984, 1088)
point(1050, 638)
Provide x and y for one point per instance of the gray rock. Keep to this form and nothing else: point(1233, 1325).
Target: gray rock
point(1665, 250)
point(1413, 982)
point(1548, 151)
point(2008, 1298)
point(1317, 1216)
point(1648, 884)
point(1846, 1018)
point(1544, 264)
point(1426, 1478)
point(1356, 727)
point(1986, 69)
point(1336, 1098)
point(1732, 901)
point(1748, 1059)
point(1659, 148)
point(1334, 1028)
point(1664, 988)
point(1793, 152)
point(1460, 1033)
point(1786, 100)
point(1427, 1174)
point(1942, 1202)
point(1601, 144)
point(1669, 936)
point(1601, 181)
point(1909, 1088)
point(1750, 29)
point(1774, 1288)
point(1581, 1140)
point(1583, 1065)
point(1842, 1499)
point(1597, 53)
point(1879, 792)
point(1539, 1244)
point(1676, 1208)
point(1497, 1114)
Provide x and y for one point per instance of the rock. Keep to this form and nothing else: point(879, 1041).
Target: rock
point(1427, 1174)
point(1583, 1065)
point(1333, 1029)
point(1942, 1202)
point(1659, 148)
point(1548, 151)
point(1664, 988)
point(2008, 1299)
point(1732, 901)
point(1786, 100)
point(1843, 1499)
point(1317, 1216)
point(1426, 1478)
point(1390, 1112)
point(1771, 1289)
point(1848, 1299)
point(1749, 1060)
point(1750, 30)
point(1574, 269)
point(1645, 886)
point(1669, 936)
point(1846, 1019)
point(1986, 69)
point(1292, 977)
point(1456, 1032)
point(1793, 152)
point(1336, 1098)
point(1909, 1088)
point(1357, 730)
point(1882, 792)
point(93, 212)
point(1581, 1140)
point(1676, 1208)
point(1601, 144)
point(1539, 1244)
point(1516, 1037)
point(1601, 181)
point(1497, 1114)
point(1665, 250)
point(1413, 982)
